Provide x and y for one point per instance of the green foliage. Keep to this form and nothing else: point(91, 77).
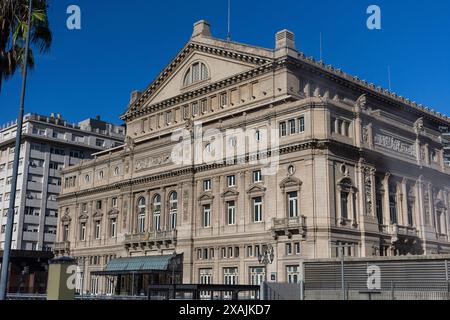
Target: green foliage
point(13, 32)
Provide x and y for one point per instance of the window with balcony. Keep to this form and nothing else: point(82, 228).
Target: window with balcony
point(293, 204)
point(157, 213)
point(173, 204)
point(141, 215)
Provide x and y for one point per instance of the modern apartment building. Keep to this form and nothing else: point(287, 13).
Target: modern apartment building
point(353, 169)
point(49, 144)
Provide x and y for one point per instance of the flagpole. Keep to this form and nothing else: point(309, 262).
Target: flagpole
point(12, 199)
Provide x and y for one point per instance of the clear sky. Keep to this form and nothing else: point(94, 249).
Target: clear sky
point(123, 45)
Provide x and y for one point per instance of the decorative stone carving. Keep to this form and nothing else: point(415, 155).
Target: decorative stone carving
point(368, 189)
point(395, 144)
point(129, 143)
point(151, 162)
point(361, 103)
point(365, 134)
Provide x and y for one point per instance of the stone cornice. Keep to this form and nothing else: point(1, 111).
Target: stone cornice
point(169, 70)
point(353, 82)
point(216, 86)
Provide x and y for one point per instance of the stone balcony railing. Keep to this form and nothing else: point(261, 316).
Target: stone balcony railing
point(62, 247)
point(289, 226)
point(396, 231)
point(151, 238)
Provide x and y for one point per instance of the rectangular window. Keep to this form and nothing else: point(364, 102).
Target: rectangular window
point(207, 185)
point(257, 209)
point(207, 216)
point(100, 142)
point(204, 106)
point(231, 213)
point(292, 274)
point(257, 176)
point(250, 251)
point(297, 248)
point(344, 205)
point(97, 230)
point(283, 129)
point(84, 207)
point(206, 276)
point(113, 230)
point(223, 100)
point(83, 231)
point(169, 117)
point(301, 124)
point(292, 127)
point(195, 110)
point(114, 202)
point(231, 181)
point(288, 249)
point(99, 205)
point(66, 233)
point(293, 204)
point(186, 114)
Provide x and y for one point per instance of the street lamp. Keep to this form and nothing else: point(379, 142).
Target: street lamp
point(266, 257)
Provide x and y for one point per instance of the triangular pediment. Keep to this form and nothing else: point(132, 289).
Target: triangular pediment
point(66, 218)
point(98, 215)
point(84, 217)
point(230, 193)
point(256, 189)
point(206, 196)
point(221, 60)
point(113, 212)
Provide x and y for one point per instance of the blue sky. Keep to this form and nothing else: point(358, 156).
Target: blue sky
point(123, 45)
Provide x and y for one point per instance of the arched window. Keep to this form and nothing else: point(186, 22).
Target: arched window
point(157, 213)
point(141, 215)
point(173, 203)
point(196, 73)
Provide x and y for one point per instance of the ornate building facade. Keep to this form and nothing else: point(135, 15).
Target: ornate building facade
point(354, 167)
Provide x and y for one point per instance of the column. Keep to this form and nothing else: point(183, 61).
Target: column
point(404, 209)
point(386, 207)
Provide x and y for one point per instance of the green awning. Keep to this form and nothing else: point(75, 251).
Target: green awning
point(138, 264)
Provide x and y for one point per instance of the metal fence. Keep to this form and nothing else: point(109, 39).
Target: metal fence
point(406, 278)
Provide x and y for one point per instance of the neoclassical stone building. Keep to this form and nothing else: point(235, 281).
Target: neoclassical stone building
point(356, 167)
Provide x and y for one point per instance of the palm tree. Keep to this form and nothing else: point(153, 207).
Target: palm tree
point(13, 32)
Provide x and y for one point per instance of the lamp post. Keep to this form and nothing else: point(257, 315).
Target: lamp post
point(174, 261)
point(12, 200)
point(266, 257)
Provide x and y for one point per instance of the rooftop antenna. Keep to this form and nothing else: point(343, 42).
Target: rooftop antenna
point(389, 78)
point(229, 21)
point(321, 48)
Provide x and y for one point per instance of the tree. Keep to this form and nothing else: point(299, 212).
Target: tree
point(13, 32)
